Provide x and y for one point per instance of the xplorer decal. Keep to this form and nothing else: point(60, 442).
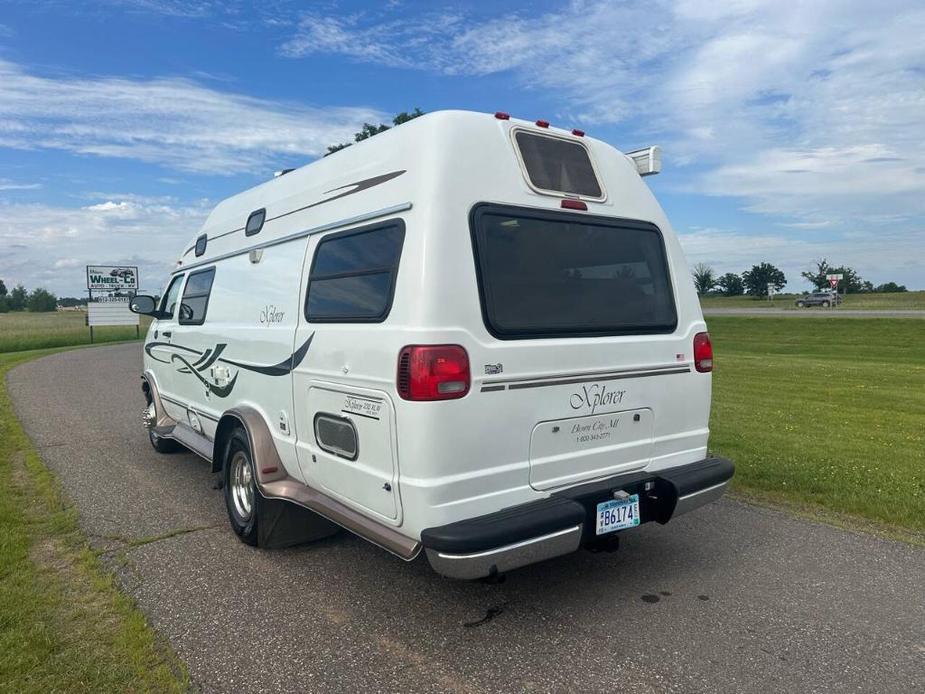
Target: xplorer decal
point(196, 362)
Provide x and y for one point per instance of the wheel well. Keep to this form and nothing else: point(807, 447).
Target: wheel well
point(226, 425)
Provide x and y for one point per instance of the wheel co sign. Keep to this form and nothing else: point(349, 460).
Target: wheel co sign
point(112, 277)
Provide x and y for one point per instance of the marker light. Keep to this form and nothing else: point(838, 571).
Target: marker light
point(570, 204)
point(542, 123)
point(578, 133)
point(501, 115)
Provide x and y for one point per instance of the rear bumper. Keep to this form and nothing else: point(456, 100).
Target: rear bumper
point(561, 523)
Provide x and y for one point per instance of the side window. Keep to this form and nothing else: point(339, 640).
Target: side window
point(169, 302)
point(255, 222)
point(196, 297)
point(353, 275)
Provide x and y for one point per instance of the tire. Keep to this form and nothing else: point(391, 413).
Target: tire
point(242, 500)
point(826, 304)
point(800, 304)
point(162, 445)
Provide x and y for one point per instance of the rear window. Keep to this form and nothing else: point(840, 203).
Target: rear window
point(353, 275)
point(557, 274)
point(558, 165)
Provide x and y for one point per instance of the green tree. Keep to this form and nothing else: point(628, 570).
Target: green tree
point(41, 301)
point(890, 287)
point(17, 298)
point(4, 304)
point(2, 288)
point(369, 129)
point(704, 278)
point(851, 283)
point(757, 279)
point(730, 284)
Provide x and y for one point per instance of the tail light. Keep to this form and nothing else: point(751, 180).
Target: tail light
point(703, 353)
point(433, 372)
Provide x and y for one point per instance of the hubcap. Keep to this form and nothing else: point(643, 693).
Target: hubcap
point(242, 491)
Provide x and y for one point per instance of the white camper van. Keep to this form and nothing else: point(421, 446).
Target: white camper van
point(471, 335)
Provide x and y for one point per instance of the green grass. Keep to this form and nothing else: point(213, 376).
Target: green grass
point(22, 330)
point(824, 414)
point(64, 625)
point(872, 302)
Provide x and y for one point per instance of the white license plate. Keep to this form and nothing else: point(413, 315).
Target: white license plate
point(617, 514)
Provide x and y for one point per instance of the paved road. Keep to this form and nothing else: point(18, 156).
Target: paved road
point(813, 313)
point(732, 598)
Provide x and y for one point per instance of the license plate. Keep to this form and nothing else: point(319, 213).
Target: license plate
point(617, 514)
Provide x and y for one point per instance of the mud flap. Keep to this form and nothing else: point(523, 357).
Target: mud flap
point(284, 524)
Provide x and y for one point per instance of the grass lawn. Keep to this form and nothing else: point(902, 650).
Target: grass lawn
point(24, 330)
point(828, 414)
point(885, 302)
point(64, 625)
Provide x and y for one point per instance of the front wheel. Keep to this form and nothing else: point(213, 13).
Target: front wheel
point(800, 304)
point(825, 304)
point(241, 496)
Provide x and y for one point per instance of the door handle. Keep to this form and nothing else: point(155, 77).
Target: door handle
point(166, 333)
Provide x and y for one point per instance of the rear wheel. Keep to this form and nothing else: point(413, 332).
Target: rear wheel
point(801, 304)
point(162, 445)
point(241, 496)
point(826, 304)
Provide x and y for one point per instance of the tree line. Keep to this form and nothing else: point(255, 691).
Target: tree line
point(18, 299)
point(755, 282)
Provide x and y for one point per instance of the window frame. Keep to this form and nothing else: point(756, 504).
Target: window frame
point(263, 211)
point(333, 450)
point(546, 191)
point(204, 238)
point(178, 278)
point(485, 208)
point(398, 223)
point(205, 308)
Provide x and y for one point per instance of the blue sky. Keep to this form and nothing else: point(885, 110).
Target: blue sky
point(791, 131)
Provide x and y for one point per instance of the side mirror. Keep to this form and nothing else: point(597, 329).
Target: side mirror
point(144, 304)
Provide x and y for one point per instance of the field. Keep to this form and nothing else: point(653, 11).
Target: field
point(885, 302)
point(64, 624)
point(21, 331)
point(827, 415)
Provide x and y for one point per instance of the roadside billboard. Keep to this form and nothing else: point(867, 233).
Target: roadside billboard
point(112, 278)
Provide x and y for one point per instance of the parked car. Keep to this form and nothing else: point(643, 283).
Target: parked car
point(122, 273)
point(469, 336)
point(824, 299)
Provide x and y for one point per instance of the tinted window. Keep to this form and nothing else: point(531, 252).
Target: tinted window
point(543, 275)
point(169, 302)
point(255, 222)
point(201, 245)
point(196, 297)
point(353, 275)
point(558, 165)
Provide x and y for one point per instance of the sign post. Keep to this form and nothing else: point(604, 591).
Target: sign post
point(833, 282)
point(110, 288)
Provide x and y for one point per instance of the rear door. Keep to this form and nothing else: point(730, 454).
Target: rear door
point(583, 311)
point(345, 422)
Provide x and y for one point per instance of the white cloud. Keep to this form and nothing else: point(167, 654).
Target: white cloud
point(7, 184)
point(751, 90)
point(49, 246)
point(174, 122)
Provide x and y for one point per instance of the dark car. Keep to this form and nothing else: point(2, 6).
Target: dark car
point(123, 273)
point(824, 299)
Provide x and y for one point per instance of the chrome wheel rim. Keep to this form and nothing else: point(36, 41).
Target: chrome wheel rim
point(242, 491)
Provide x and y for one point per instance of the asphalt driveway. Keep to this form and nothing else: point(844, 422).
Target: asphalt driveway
point(731, 598)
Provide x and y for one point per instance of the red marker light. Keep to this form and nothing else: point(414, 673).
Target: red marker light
point(501, 115)
point(570, 204)
point(542, 123)
point(578, 133)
